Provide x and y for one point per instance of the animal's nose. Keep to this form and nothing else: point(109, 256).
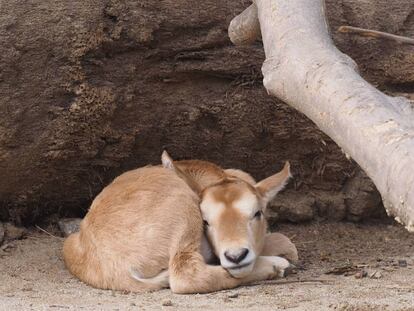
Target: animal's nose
point(236, 256)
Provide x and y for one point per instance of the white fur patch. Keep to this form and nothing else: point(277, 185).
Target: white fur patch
point(166, 160)
point(210, 208)
point(162, 279)
point(247, 204)
point(279, 264)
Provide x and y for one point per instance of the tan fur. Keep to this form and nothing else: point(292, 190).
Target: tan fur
point(146, 222)
point(277, 244)
point(241, 175)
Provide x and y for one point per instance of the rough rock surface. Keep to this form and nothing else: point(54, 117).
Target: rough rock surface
point(103, 86)
point(69, 225)
point(293, 208)
point(1, 233)
point(12, 232)
point(361, 198)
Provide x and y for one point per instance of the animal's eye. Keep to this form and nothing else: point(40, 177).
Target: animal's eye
point(205, 223)
point(258, 214)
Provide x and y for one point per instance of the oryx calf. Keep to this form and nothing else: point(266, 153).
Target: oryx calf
point(145, 230)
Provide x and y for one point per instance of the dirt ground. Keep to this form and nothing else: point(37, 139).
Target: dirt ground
point(33, 276)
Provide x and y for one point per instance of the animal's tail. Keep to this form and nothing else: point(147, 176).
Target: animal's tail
point(162, 279)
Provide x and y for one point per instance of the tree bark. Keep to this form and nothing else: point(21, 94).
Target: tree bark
point(305, 69)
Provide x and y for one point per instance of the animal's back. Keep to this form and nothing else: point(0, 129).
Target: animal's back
point(132, 223)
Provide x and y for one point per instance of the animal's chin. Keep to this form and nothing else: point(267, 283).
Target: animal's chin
point(241, 271)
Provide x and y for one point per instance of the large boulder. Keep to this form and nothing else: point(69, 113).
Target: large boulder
point(92, 88)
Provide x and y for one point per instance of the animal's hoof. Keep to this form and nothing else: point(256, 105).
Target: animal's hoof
point(280, 265)
point(289, 270)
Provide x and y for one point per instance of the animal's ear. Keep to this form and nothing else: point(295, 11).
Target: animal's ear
point(270, 186)
point(169, 163)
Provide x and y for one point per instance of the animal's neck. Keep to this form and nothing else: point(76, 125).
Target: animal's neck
point(203, 173)
point(207, 252)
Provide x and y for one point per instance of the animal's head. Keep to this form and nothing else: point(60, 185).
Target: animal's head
point(233, 213)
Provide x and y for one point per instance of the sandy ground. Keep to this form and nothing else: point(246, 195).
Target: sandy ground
point(33, 277)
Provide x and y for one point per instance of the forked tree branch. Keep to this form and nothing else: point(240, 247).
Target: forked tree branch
point(305, 69)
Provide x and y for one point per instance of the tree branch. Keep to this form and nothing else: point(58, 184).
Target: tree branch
point(244, 29)
point(375, 34)
point(305, 70)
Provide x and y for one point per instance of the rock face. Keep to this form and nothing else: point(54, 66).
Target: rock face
point(9, 232)
point(293, 208)
point(1, 233)
point(361, 198)
point(103, 86)
point(69, 225)
point(358, 200)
